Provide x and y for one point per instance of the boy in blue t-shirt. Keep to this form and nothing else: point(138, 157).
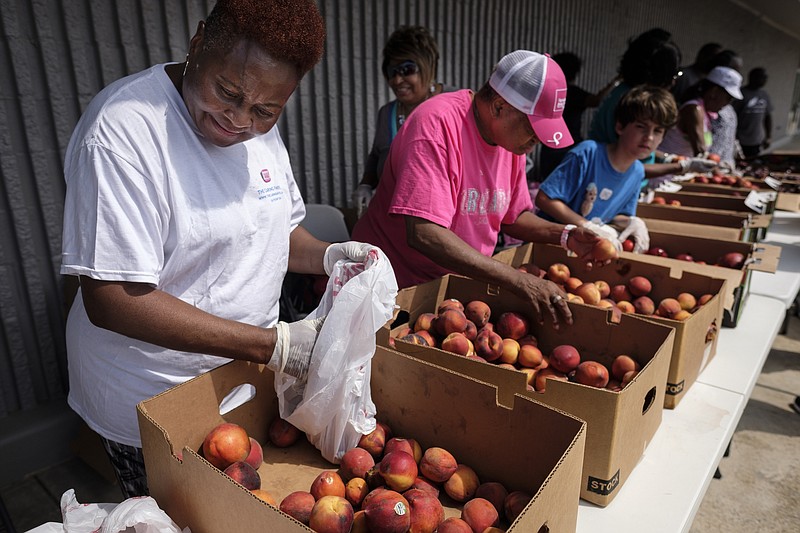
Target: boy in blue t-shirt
point(597, 185)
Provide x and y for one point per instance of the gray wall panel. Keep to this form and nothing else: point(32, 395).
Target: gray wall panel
point(57, 54)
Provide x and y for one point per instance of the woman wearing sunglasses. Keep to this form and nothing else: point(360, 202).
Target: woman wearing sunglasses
point(409, 65)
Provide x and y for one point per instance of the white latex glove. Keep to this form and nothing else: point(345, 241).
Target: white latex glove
point(361, 197)
point(605, 231)
point(350, 251)
point(292, 354)
point(636, 229)
point(697, 164)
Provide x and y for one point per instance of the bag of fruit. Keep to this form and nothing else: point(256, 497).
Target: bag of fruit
point(334, 405)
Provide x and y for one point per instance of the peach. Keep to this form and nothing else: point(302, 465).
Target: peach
point(731, 260)
point(558, 273)
point(626, 307)
point(399, 470)
point(265, 496)
point(606, 303)
point(531, 268)
point(388, 512)
point(668, 307)
point(639, 286)
point(461, 486)
point(425, 484)
point(226, 444)
point(515, 503)
point(565, 358)
point(542, 375)
point(683, 314)
point(478, 358)
point(387, 431)
point(282, 434)
point(574, 298)
point(457, 343)
point(510, 351)
point(604, 250)
point(374, 441)
point(572, 283)
point(622, 364)
point(454, 525)
point(426, 511)
point(450, 303)
point(512, 325)
point(589, 292)
point(644, 305)
point(614, 385)
point(530, 375)
point(331, 514)
point(592, 373)
point(471, 331)
point(687, 301)
point(244, 474)
point(399, 444)
point(528, 339)
point(604, 288)
point(507, 366)
point(704, 299)
point(355, 491)
point(628, 377)
point(428, 337)
point(355, 462)
point(327, 483)
point(424, 322)
point(480, 514)
point(479, 312)
point(360, 522)
point(374, 479)
point(256, 455)
point(415, 338)
point(494, 492)
point(489, 345)
point(620, 293)
point(298, 505)
point(530, 356)
point(450, 321)
point(659, 200)
point(437, 464)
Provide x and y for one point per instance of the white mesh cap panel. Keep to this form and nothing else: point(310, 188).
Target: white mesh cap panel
point(519, 79)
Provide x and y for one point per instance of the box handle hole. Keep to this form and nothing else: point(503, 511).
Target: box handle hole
point(238, 396)
point(649, 398)
point(544, 529)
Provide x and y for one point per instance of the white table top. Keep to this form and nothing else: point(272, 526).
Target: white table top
point(785, 283)
point(666, 488)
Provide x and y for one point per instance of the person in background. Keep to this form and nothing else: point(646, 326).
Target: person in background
point(578, 101)
point(691, 74)
point(692, 135)
point(182, 217)
point(455, 177)
point(723, 126)
point(410, 59)
point(755, 114)
point(597, 185)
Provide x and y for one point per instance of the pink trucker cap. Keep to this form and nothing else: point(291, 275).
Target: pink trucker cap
point(534, 84)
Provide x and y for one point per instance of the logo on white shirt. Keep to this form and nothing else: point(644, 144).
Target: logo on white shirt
point(265, 176)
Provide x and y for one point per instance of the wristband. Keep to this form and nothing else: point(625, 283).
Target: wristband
point(565, 235)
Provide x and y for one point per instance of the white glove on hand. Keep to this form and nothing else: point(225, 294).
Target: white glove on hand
point(350, 250)
point(638, 230)
point(292, 354)
point(361, 197)
point(697, 164)
point(605, 231)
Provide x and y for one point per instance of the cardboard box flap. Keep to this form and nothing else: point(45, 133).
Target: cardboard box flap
point(765, 258)
point(760, 221)
point(695, 215)
point(688, 228)
point(707, 200)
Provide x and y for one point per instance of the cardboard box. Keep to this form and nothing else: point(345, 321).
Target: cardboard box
point(717, 224)
point(758, 256)
point(788, 201)
point(695, 338)
point(714, 201)
point(619, 424)
point(525, 445)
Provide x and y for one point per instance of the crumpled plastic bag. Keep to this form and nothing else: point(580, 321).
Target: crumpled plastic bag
point(134, 515)
point(334, 406)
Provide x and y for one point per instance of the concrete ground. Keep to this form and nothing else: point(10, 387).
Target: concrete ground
point(758, 490)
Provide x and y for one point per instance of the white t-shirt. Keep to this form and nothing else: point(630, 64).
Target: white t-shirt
point(149, 200)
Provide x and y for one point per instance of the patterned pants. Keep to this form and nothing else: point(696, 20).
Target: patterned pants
point(128, 464)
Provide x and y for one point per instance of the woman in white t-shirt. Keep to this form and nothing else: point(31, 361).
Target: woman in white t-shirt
point(182, 218)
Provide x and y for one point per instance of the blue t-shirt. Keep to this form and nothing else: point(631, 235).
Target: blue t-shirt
point(589, 185)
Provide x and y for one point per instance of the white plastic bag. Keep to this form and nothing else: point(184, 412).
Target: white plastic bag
point(138, 515)
point(334, 407)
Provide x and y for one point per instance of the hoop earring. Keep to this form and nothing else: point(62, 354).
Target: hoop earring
point(433, 87)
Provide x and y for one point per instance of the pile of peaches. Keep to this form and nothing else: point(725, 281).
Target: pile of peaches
point(469, 330)
point(386, 484)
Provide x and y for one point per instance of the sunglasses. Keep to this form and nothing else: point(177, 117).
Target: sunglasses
point(404, 69)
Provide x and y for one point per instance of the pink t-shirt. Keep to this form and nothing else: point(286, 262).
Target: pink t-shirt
point(439, 168)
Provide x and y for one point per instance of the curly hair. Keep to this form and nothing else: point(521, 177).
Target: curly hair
point(413, 42)
point(651, 58)
point(647, 103)
point(289, 30)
